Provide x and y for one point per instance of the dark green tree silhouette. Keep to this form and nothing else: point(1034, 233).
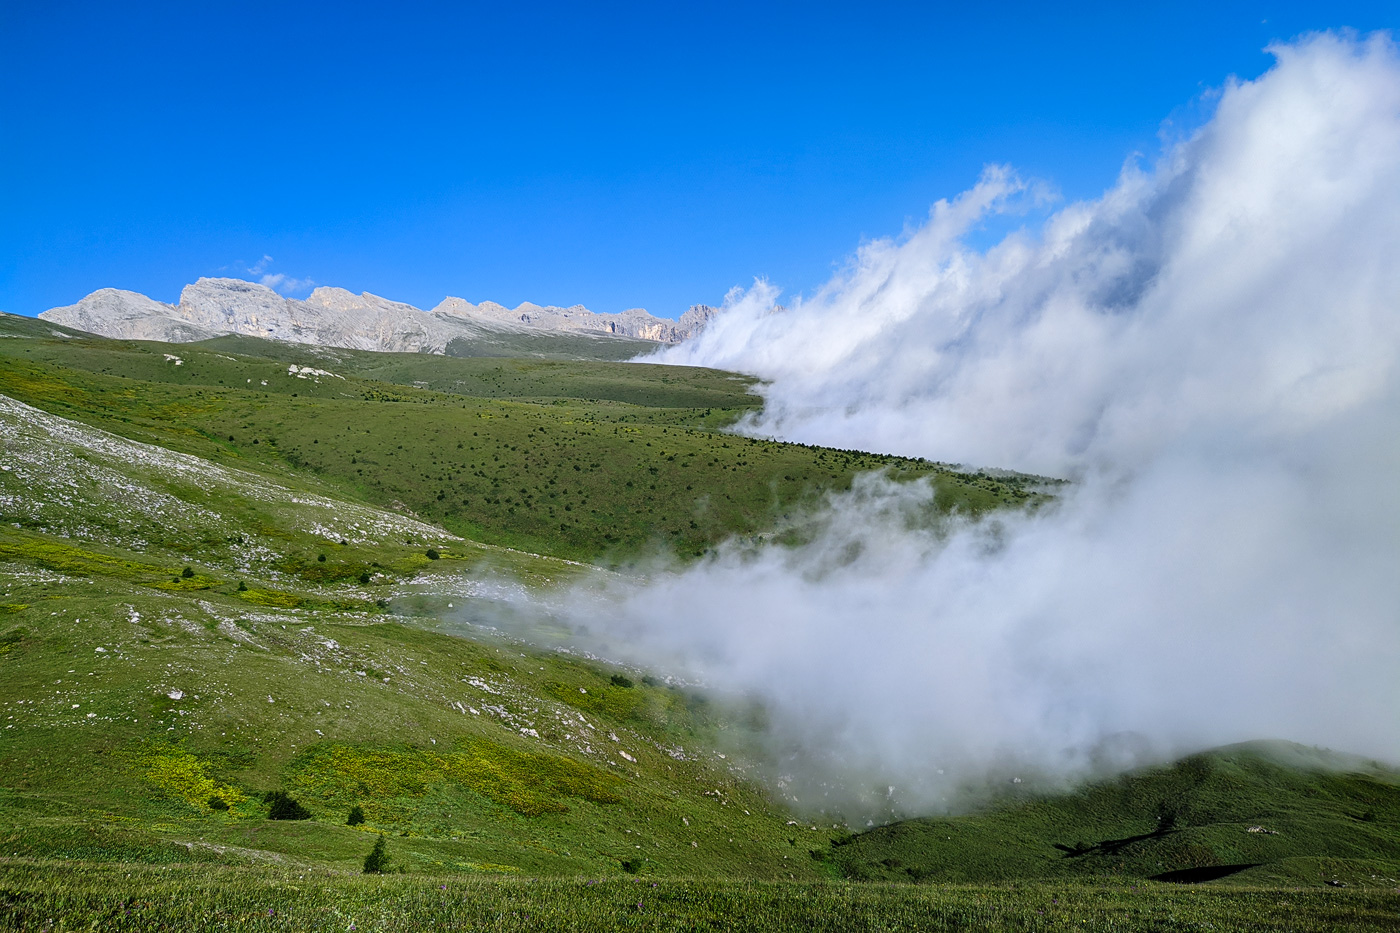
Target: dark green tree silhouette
point(284, 807)
point(377, 862)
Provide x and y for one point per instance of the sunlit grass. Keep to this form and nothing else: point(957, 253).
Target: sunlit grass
point(191, 898)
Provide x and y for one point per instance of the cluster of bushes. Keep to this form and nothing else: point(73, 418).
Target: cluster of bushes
point(283, 806)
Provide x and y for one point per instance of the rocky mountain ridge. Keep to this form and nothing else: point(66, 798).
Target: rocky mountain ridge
point(335, 317)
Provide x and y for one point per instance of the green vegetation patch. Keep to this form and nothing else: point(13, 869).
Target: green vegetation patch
point(22, 545)
point(531, 784)
point(181, 775)
point(276, 598)
point(615, 702)
point(12, 638)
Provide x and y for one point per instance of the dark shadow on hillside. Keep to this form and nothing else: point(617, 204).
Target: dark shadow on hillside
point(1110, 846)
point(1198, 875)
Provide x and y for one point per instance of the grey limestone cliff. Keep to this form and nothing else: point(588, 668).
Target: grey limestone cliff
point(634, 323)
point(334, 317)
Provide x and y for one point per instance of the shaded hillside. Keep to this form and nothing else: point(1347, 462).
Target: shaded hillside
point(1254, 813)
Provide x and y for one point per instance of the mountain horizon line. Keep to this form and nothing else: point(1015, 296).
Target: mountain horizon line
point(336, 317)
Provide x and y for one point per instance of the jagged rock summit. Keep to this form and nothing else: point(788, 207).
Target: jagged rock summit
point(334, 317)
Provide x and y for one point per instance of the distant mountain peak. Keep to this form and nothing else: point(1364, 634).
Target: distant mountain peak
point(336, 317)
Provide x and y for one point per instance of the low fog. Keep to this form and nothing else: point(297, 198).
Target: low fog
point(1208, 351)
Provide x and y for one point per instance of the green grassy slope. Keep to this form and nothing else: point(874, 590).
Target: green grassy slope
point(583, 460)
point(527, 345)
point(178, 638)
point(1250, 813)
point(185, 627)
point(145, 724)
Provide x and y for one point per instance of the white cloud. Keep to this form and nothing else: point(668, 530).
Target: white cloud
point(286, 284)
point(278, 281)
point(1212, 350)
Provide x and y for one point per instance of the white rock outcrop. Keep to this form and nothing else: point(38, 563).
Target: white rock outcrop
point(334, 317)
point(116, 313)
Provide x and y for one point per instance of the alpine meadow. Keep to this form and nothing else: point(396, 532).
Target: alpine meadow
point(1036, 572)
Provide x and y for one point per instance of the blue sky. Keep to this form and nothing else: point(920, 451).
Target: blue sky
point(615, 155)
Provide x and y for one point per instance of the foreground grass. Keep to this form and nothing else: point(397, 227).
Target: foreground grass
point(64, 896)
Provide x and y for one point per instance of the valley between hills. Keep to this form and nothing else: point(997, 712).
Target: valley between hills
point(254, 617)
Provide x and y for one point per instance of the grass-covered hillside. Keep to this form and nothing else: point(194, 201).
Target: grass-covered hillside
point(232, 583)
point(585, 460)
point(215, 589)
point(1253, 814)
point(179, 638)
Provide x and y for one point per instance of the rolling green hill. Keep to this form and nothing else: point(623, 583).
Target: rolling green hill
point(179, 638)
point(1254, 813)
point(593, 461)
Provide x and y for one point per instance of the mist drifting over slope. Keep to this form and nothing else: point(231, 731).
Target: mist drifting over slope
point(1210, 350)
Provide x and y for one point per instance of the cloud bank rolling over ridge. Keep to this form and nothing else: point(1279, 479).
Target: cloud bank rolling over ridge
point(1210, 350)
point(1248, 279)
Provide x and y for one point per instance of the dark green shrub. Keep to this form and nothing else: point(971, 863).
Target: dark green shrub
point(364, 577)
point(282, 806)
point(619, 681)
point(377, 862)
point(320, 558)
point(632, 865)
point(356, 817)
point(187, 573)
point(218, 803)
point(242, 587)
point(433, 554)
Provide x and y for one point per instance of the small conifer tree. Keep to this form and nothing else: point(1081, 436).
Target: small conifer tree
point(377, 862)
point(356, 817)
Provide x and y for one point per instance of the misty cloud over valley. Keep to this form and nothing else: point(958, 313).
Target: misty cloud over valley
point(1209, 351)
